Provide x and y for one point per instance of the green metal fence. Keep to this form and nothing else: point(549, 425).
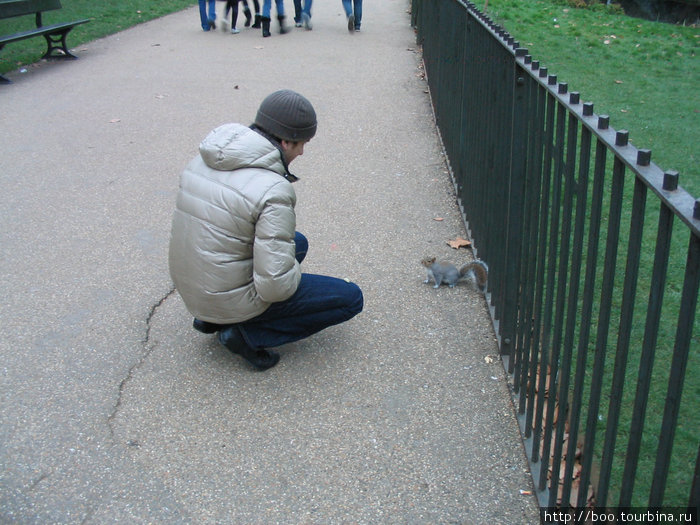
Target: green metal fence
point(592, 289)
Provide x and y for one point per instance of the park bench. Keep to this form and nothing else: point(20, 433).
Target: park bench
point(54, 34)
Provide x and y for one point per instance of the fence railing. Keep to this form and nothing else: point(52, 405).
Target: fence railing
point(592, 289)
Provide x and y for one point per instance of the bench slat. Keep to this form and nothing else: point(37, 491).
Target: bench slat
point(12, 8)
point(43, 30)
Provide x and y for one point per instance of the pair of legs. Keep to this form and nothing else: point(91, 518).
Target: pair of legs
point(207, 18)
point(267, 8)
point(319, 302)
point(265, 19)
point(302, 13)
point(353, 10)
point(232, 5)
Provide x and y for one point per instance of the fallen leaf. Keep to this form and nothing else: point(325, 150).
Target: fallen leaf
point(438, 219)
point(115, 120)
point(459, 243)
point(618, 82)
point(525, 492)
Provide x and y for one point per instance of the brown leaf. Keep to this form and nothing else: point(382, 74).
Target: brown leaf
point(459, 243)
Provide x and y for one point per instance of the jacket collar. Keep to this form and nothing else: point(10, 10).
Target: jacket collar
point(276, 143)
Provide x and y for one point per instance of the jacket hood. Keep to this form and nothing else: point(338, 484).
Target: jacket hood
point(235, 146)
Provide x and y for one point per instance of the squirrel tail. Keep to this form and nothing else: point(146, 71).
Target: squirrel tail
point(477, 272)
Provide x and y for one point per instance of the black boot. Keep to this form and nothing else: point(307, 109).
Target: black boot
point(265, 26)
point(260, 358)
point(256, 24)
point(205, 327)
point(246, 12)
point(283, 28)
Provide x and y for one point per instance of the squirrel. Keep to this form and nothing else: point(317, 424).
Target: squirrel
point(476, 272)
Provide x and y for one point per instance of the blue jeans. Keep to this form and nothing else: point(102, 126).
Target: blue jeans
point(356, 5)
point(203, 12)
point(319, 302)
point(267, 8)
point(298, 9)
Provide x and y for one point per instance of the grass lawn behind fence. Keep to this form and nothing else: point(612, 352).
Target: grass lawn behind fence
point(108, 17)
point(644, 74)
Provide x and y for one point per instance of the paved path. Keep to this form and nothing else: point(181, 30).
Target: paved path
point(113, 410)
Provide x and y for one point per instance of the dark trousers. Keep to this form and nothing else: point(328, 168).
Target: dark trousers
point(319, 302)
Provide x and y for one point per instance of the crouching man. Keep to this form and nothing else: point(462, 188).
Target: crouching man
point(235, 253)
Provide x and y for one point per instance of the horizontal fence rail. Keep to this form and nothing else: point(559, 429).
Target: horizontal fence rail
point(594, 257)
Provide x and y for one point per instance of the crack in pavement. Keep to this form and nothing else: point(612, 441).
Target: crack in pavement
point(137, 365)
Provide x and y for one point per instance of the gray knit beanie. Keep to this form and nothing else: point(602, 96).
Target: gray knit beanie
point(287, 115)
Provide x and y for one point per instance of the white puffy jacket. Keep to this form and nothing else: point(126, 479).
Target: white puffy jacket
point(232, 250)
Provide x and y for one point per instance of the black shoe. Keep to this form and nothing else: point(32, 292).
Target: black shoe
point(265, 26)
point(260, 358)
point(205, 327)
point(256, 24)
point(246, 12)
point(212, 24)
point(351, 23)
point(283, 28)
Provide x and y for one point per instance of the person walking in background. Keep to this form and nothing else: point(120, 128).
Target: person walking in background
point(208, 19)
point(266, 16)
point(232, 5)
point(235, 255)
point(353, 11)
point(302, 14)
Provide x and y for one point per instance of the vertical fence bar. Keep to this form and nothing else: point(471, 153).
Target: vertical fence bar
point(681, 349)
point(553, 152)
point(539, 341)
point(510, 192)
point(573, 317)
point(566, 302)
point(658, 283)
point(518, 224)
point(529, 268)
point(526, 383)
point(694, 500)
point(613, 237)
point(599, 357)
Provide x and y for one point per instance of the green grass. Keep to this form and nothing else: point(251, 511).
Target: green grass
point(108, 17)
point(645, 75)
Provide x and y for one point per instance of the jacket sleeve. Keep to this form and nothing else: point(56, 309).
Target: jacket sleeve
point(276, 272)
